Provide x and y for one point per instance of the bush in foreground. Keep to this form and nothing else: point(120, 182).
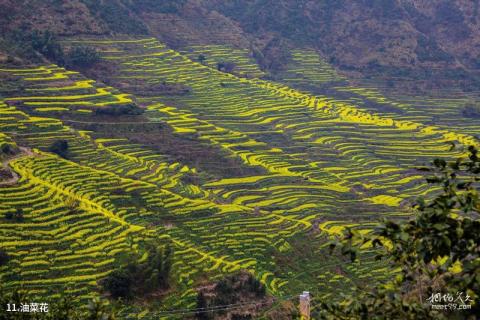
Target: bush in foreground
point(437, 253)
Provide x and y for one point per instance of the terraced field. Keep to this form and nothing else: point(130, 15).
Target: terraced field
point(304, 166)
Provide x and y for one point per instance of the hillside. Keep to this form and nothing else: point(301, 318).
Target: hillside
point(234, 144)
point(404, 39)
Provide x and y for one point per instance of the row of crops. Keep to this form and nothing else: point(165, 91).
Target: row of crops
point(322, 164)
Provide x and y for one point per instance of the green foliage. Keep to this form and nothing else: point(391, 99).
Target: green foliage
point(254, 285)
point(47, 44)
point(445, 229)
point(60, 148)
point(6, 148)
point(226, 66)
point(202, 305)
point(31, 43)
point(228, 289)
point(136, 279)
point(117, 16)
point(82, 57)
point(158, 267)
point(4, 258)
point(18, 215)
point(129, 109)
point(15, 215)
point(201, 58)
point(119, 284)
point(72, 204)
point(98, 310)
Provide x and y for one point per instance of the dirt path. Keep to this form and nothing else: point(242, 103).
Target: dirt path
point(25, 152)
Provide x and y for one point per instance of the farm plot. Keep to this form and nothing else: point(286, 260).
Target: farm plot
point(325, 164)
point(125, 189)
point(240, 61)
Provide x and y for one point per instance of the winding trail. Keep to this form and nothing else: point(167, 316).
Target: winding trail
point(25, 152)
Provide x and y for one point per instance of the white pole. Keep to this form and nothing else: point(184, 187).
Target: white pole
point(305, 305)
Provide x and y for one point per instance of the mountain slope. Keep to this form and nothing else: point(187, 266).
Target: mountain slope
point(363, 34)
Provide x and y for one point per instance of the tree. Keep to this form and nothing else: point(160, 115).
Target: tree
point(98, 310)
point(60, 148)
point(7, 148)
point(46, 43)
point(256, 286)
point(9, 215)
point(274, 57)
point(437, 252)
point(167, 265)
point(119, 284)
point(133, 278)
point(158, 267)
point(4, 258)
point(18, 215)
point(82, 57)
point(202, 305)
point(201, 58)
point(226, 66)
point(129, 109)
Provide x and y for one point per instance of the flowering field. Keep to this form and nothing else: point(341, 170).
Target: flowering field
point(311, 165)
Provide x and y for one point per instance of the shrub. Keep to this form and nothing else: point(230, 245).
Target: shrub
point(18, 215)
point(4, 258)
point(118, 284)
point(72, 204)
point(47, 44)
point(60, 147)
point(156, 271)
point(254, 285)
point(119, 110)
point(5, 148)
point(226, 66)
point(445, 229)
point(8, 149)
point(274, 57)
point(82, 57)
point(135, 279)
point(202, 305)
point(471, 111)
point(201, 58)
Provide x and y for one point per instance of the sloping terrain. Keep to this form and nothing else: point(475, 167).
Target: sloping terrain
point(300, 167)
point(257, 141)
point(402, 39)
